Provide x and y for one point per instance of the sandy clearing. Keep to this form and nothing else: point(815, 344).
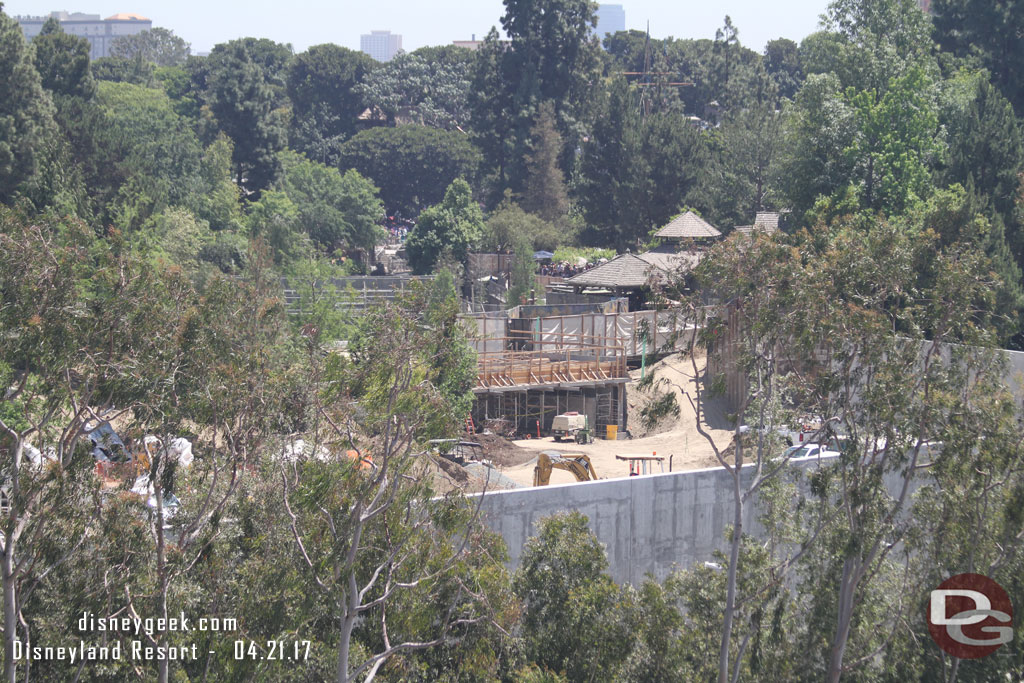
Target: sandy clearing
point(689, 450)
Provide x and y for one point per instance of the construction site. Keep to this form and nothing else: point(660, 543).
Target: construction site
point(533, 368)
point(544, 454)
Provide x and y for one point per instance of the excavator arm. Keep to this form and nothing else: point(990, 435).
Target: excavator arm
point(578, 464)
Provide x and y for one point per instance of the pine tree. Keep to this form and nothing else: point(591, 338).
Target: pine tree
point(26, 113)
point(545, 184)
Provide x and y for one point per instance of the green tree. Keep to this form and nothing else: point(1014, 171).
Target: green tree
point(336, 211)
point(417, 90)
point(158, 46)
point(818, 126)
point(875, 43)
point(993, 32)
point(490, 108)
point(412, 165)
point(322, 85)
point(521, 280)
point(545, 194)
point(895, 142)
point(635, 172)
point(275, 219)
point(449, 227)
point(985, 145)
point(740, 175)
point(782, 62)
point(244, 90)
point(62, 61)
point(571, 620)
point(80, 313)
point(958, 216)
point(26, 114)
point(177, 234)
point(868, 116)
point(122, 70)
point(552, 57)
point(148, 158)
point(177, 83)
point(509, 223)
point(396, 570)
point(217, 202)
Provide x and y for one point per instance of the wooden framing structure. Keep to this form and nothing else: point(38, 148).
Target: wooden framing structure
point(572, 360)
point(528, 378)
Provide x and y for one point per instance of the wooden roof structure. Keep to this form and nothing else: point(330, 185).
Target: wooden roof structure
point(765, 221)
point(626, 271)
point(667, 258)
point(688, 225)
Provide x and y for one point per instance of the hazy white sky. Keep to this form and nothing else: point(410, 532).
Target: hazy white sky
point(204, 23)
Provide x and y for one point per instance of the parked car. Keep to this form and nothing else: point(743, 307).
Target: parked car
point(810, 450)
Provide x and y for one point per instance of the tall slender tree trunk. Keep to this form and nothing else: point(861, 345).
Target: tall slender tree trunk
point(734, 560)
point(844, 618)
point(341, 674)
point(163, 665)
point(348, 622)
point(10, 613)
point(870, 192)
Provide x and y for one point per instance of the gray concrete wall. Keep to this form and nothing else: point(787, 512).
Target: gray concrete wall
point(647, 524)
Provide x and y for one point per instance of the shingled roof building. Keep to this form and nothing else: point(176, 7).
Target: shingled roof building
point(765, 221)
point(688, 226)
point(624, 273)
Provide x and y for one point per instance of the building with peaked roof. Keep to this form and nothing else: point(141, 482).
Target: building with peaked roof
point(668, 259)
point(688, 226)
point(99, 32)
point(625, 272)
point(767, 222)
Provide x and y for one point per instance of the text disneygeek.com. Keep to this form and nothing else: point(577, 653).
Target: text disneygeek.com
point(139, 639)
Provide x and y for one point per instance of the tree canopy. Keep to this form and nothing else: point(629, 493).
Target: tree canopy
point(412, 165)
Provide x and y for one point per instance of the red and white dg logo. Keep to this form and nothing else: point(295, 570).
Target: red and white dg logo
point(970, 616)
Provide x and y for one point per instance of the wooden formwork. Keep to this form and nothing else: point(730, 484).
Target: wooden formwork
point(575, 361)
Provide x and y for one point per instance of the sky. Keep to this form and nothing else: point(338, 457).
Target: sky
point(204, 23)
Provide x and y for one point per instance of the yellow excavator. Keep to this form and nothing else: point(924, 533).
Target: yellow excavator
point(577, 463)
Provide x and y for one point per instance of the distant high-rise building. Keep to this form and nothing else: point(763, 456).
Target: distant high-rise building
point(381, 45)
point(99, 32)
point(610, 19)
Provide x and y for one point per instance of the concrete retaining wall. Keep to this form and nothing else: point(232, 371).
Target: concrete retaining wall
point(647, 524)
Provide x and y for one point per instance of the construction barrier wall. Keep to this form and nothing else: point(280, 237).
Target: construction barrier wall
point(647, 524)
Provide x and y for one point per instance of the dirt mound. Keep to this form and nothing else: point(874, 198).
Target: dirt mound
point(501, 451)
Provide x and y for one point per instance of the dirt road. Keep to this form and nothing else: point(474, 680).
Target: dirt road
point(689, 450)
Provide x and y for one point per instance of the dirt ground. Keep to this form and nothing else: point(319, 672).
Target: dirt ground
point(502, 453)
point(677, 438)
point(499, 450)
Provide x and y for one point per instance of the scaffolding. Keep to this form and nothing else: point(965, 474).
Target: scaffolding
point(527, 378)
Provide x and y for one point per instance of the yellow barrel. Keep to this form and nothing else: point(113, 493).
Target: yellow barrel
point(613, 432)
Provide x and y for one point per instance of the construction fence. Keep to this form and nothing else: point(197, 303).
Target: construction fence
point(637, 332)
